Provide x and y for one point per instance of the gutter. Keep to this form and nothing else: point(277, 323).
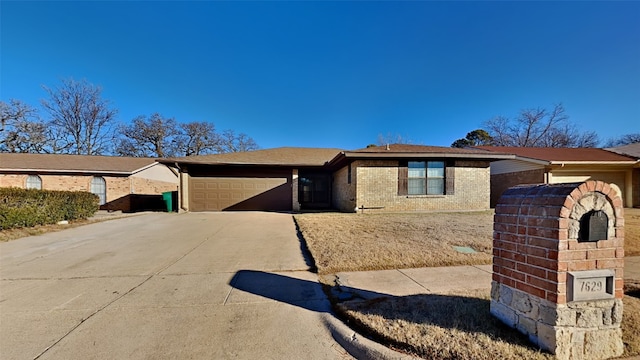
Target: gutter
point(43, 171)
point(563, 163)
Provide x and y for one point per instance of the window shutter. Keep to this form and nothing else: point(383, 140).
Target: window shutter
point(449, 176)
point(403, 176)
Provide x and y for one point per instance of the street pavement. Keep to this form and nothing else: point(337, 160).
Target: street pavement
point(164, 286)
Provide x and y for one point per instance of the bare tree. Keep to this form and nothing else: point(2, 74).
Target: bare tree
point(22, 131)
point(539, 128)
point(83, 118)
point(623, 140)
point(25, 136)
point(198, 138)
point(474, 138)
point(13, 112)
point(230, 142)
point(154, 136)
point(390, 138)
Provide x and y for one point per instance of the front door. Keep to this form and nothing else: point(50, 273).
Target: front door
point(314, 190)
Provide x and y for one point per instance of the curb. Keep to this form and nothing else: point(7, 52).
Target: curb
point(360, 347)
point(357, 345)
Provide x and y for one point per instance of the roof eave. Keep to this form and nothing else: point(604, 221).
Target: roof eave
point(144, 167)
point(230, 163)
point(532, 160)
point(385, 155)
point(592, 162)
point(61, 171)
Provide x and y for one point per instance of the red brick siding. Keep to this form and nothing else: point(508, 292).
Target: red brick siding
point(532, 248)
point(501, 182)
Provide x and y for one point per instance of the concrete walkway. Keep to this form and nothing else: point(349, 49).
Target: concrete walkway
point(403, 282)
point(436, 280)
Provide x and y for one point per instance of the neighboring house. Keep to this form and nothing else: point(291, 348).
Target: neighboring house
point(561, 165)
point(632, 150)
point(384, 178)
point(121, 183)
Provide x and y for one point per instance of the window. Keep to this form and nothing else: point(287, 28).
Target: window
point(99, 187)
point(34, 182)
point(417, 178)
point(425, 178)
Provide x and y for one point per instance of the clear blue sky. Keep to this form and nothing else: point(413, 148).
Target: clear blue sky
point(334, 74)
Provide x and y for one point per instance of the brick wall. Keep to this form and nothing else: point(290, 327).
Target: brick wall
point(536, 237)
point(13, 180)
point(377, 185)
point(118, 187)
point(344, 194)
point(501, 182)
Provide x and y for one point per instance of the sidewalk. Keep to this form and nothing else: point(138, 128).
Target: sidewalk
point(401, 282)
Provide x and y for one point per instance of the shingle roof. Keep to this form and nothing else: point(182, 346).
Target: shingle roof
point(282, 156)
point(407, 148)
point(72, 163)
point(632, 150)
point(556, 155)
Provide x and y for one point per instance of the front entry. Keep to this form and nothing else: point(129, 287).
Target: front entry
point(314, 190)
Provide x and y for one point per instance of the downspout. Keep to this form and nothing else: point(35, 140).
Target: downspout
point(180, 187)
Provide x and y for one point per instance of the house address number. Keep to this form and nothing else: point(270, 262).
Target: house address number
point(590, 285)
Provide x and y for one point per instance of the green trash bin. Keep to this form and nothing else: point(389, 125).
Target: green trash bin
point(168, 200)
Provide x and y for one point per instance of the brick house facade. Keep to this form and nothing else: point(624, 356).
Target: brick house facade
point(375, 186)
point(130, 184)
point(384, 178)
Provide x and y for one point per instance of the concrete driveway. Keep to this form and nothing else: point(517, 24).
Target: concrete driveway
point(164, 286)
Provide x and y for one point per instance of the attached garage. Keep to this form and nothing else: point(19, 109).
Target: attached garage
point(240, 193)
point(259, 180)
point(611, 177)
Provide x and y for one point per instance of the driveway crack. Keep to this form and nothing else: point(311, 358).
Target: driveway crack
point(156, 273)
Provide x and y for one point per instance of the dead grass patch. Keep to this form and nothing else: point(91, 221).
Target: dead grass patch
point(453, 326)
point(355, 242)
point(631, 318)
point(13, 234)
point(458, 326)
point(632, 232)
point(17, 233)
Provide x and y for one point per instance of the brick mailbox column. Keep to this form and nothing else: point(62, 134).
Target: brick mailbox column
point(558, 259)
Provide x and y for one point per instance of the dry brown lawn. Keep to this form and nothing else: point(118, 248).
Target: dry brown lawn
point(356, 242)
point(632, 232)
point(458, 326)
point(17, 233)
point(12, 234)
point(453, 326)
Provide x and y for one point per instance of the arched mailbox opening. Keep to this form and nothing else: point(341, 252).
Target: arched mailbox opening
point(594, 226)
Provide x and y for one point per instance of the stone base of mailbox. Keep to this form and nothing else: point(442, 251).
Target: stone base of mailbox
point(577, 330)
